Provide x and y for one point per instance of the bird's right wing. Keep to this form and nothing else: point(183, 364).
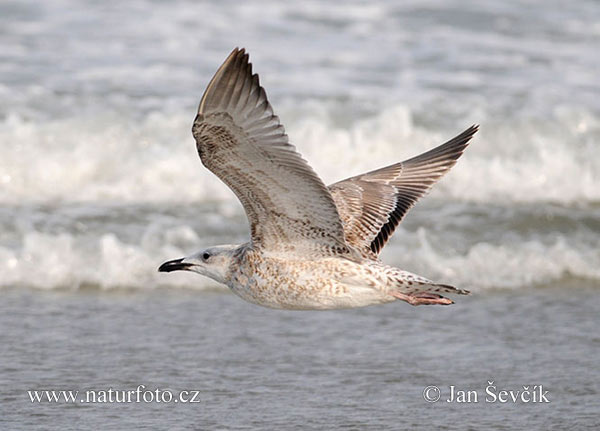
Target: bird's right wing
point(372, 205)
point(242, 142)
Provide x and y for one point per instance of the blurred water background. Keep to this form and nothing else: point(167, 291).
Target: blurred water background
point(100, 182)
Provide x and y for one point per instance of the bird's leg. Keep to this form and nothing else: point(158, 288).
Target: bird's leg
point(422, 298)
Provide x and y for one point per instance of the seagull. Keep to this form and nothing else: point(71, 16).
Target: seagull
point(311, 247)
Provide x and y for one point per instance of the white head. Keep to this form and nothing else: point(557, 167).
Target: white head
point(213, 262)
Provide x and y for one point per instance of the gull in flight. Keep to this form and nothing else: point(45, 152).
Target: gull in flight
point(311, 246)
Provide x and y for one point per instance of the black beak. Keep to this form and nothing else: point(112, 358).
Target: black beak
point(174, 265)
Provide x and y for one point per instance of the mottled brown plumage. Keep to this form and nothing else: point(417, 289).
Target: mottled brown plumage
point(311, 247)
point(242, 142)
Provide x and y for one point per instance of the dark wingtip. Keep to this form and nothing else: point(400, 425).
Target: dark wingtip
point(472, 130)
point(174, 265)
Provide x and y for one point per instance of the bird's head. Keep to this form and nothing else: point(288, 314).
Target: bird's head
point(213, 262)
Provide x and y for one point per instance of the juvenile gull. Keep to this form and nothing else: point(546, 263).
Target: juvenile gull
point(311, 246)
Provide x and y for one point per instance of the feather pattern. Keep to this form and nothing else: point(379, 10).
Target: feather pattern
point(372, 205)
point(241, 140)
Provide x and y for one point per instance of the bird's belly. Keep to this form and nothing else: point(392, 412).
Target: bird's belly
point(305, 285)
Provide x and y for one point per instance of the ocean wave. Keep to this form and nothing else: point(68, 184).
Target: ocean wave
point(504, 263)
point(154, 159)
point(51, 261)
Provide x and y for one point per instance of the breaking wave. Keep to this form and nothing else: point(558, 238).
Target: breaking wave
point(64, 260)
point(154, 159)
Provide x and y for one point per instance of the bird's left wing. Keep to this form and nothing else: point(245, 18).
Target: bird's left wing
point(242, 142)
point(372, 205)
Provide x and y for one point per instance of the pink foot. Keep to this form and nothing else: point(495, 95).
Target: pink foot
point(422, 298)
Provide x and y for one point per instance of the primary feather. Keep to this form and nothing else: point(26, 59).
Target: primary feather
point(372, 205)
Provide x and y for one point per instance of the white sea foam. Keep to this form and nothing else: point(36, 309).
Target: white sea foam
point(498, 264)
point(106, 159)
point(68, 261)
point(154, 160)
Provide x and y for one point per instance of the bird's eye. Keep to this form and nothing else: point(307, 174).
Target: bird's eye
point(206, 255)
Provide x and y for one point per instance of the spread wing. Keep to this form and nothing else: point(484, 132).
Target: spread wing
point(372, 205)
point(242, 142)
